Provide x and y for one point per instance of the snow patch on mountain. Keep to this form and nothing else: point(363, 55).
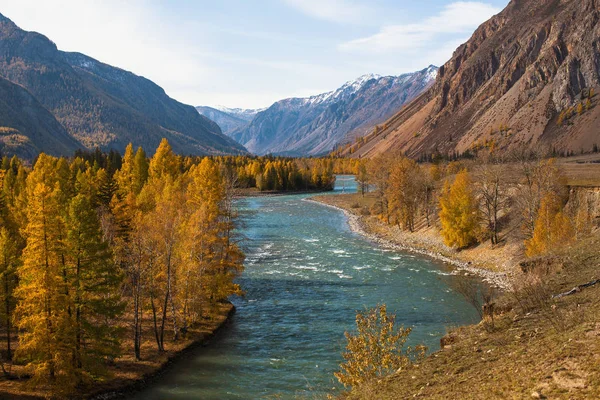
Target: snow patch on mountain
point(240, 111)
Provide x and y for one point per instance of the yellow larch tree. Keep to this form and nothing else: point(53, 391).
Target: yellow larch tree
point(44, 310)
point(404, 192)
point(459, 212)
point(553, 228)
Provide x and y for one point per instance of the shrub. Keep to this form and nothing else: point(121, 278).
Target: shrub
point(377, 349)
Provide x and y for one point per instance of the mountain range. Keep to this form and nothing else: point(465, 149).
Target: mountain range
point(527, 77)
point(315, 125)
point(76, 101)
point(229, 119)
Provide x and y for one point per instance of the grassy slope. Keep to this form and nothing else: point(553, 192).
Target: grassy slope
point(550, 350)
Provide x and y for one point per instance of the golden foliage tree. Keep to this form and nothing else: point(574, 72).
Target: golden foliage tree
point(404, 191)
point(9, 254)
point(459, 212)
point(44, 311)
point(553, 228)
point(376, 349)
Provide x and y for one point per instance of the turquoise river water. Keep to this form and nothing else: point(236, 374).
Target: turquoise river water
point(306, 276)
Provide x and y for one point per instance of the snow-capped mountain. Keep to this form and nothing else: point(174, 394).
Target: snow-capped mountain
point(246, 113)
point(229, 119)
point(314, 125)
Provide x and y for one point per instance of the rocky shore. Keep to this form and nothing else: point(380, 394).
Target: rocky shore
point(358, 225)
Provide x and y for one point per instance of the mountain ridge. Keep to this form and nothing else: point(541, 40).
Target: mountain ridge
point(26, 127)
point(101, 105)
point(315, 125)
point(229, 119)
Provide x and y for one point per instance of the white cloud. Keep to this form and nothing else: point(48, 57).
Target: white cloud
point(340, 11)
point(456, 18)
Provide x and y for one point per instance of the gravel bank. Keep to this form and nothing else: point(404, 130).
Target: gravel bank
point(357, 225)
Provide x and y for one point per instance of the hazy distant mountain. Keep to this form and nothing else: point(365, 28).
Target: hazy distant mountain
point(26, 127)
point(526, 77)
point(314, 125)
point(100, 105)
point(229, 119)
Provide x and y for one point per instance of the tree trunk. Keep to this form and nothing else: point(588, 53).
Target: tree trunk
point(7, 307)
point(136, 318)
point(156, 331)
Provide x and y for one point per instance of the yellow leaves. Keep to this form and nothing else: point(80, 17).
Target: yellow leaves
point(43, 307)
point(459, 212)
point(553, 228)
point(206, 186)
point(164, 161)
point(404, 191)
point(376, 349)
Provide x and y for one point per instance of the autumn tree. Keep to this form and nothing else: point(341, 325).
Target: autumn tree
point(404, 191)
point(491, 187)
point(553, 228)
point(362, 177)
point(9, 259)
point(44, 310)
point(536, 177)
point(379, 173)
point(459, 212)
point(376, 349)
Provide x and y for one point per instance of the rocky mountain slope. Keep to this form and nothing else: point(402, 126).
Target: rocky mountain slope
point(526, 77)
point(26, 127)
point(229, 119)
point(100, 105)
point(315, 125)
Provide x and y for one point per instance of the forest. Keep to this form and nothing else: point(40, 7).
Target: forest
point(98, 250)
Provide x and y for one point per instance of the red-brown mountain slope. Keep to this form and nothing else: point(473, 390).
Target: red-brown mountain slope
point(524, 78)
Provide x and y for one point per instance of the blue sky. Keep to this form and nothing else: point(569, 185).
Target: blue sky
point(252, 53)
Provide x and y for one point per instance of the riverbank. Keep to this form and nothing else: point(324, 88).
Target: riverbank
point(254, 192)
point(126, 375)
point(536, 345)
point(494, 266)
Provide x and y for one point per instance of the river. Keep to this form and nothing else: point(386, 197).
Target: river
point(306, 276)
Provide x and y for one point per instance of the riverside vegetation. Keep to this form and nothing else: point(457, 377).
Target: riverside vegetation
point(521, 215)
point(111, 265)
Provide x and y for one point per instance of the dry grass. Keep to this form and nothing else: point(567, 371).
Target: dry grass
point(581, 174)
point(541, 347)
point(126, 371)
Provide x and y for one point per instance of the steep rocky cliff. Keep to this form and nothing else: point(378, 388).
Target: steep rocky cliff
point(526, 77)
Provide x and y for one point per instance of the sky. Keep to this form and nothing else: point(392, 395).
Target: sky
point(251, 53)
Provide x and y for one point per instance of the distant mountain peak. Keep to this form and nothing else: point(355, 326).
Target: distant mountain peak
point(314, 125)
point(229, 119)
point(3, 18)
point(236, 110)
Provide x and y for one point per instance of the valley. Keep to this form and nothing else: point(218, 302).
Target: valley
point(354, 223)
